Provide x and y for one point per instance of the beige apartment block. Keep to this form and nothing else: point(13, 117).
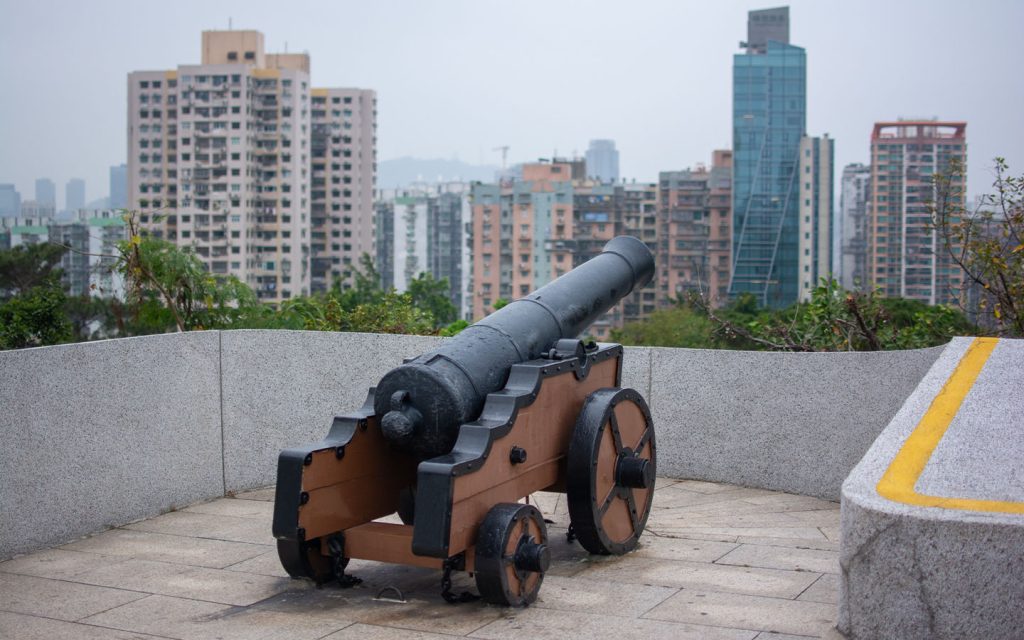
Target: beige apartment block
point(695, 231)
point(344, 176)
point(815, 227)
point(906, 257)
point(220, 160)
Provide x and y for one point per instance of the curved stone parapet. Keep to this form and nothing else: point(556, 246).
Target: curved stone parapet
point(932, 523)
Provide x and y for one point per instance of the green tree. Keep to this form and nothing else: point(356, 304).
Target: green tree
point(35, 317)
point(432, 296)
point(28, 266)
point(680, 326)
point(987, 243)
point(838, 320)
point(169, 287)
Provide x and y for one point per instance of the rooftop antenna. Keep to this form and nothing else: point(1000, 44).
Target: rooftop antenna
point(504, 156)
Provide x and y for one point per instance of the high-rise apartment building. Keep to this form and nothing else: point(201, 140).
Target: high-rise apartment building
point(36, 209)
point(46, 192)
point(424, 231)
point(220, 159)
point(344, 176)
point(695, 231)
point(10, 200)
point(74, 195)
point(603, 161)
point(769, 119)
point(850, 237)
point(815, 225)
point(906, 256)
point(119, 186)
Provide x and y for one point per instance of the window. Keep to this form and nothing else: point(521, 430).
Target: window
point(250, 55)
point(232, 55)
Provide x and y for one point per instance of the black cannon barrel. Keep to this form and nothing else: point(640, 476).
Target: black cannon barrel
point(424, 401)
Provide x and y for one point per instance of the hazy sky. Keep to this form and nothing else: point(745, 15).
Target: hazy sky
point(458, 78)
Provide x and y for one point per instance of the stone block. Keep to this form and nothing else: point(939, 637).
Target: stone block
point(101, 433)
point(795, 422)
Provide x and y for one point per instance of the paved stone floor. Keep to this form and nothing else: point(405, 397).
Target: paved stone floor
point(717, 561)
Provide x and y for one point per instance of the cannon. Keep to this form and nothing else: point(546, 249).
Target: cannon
point(455, 439)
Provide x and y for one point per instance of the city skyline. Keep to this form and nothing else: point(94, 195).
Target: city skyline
point(868, 63)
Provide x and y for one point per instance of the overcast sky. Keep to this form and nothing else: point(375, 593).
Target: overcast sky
point(459, 78)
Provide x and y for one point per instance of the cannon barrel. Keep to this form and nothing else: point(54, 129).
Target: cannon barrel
point(424, 401)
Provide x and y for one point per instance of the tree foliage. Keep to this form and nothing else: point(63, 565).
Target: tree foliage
point(35, 317)
point(987, 243)
point(839, 320)
point(28, 266)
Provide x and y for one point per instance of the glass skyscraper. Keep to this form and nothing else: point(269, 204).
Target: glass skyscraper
point(769, 118)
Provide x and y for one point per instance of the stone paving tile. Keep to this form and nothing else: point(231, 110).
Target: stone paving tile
point(373, 632)
point(825, 589)
point(545, 624)
point(257, 509)
point(266, 494)
point(15, 626)
point(809, 533)
point(206, 525)
point(58, 599)
point(746, 612)
point(194, 620)
point(654, 546)
point(56, 563)
point(143, 545)
point(592, 596)
point(796, 543)
point(268, 564)
point(216, 575)
point(196, 583)
point(423, 610)
point(749, 555)
point(699, 575)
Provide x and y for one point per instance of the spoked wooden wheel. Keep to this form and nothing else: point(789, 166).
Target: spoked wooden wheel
point(611, 470)
point(511, 555)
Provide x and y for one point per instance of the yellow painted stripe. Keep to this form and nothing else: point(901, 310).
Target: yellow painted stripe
point(899, 480)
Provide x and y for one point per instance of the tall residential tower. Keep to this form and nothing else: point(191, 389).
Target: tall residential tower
point(906, 257)
point(232, 158)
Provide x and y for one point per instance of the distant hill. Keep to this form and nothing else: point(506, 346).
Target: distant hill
point(401, 172)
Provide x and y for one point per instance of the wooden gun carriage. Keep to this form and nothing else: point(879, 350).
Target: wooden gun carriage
point(454, 439)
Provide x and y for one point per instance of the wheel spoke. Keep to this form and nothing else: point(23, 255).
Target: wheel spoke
point(613, 424)
point(634, 517)
point(606, 504)
point(644, 439)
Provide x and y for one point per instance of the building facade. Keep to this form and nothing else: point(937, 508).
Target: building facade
point(850, 246)
point(74, 195)
point(528, 232)
point(10, 200)
point(906, 257)
point(88, 267)
point(815, 225)
point(769, 119)
point(425, 231)
point(344, 176)
point(220, 160)
point(602, 161)
point(694, 237)
point(46, 192)
point(119, 186)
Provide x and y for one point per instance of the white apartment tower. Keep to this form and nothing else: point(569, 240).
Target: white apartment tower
point(220, 159)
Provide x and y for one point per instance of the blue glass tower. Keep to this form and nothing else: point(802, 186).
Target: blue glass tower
point(769, 118)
